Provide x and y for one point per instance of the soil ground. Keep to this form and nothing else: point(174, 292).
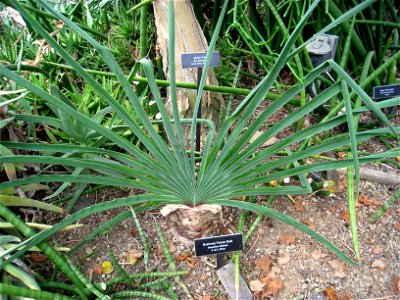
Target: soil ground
point(279, 261)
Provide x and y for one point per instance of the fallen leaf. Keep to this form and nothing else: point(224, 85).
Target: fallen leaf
point(132, 256)
point(261, 230)
point(59, 24)
point(344, 216)
point(339, 268)
point(378, 264)
point(364, 199)
point(15, 16)
point(345, 296)
point(256, 285)
point(269, 142)
point(37, 257)
point(309, 224)
point(298, 207)
point(329, 294)
point(287, 238)
point(274, 183)
point(282, 260)
point(376, 250)
point(264, 264)
point(160, 249)
point(207, 298)
point(331, 208)
point(342, 186)
point(272, 288)
point(204, 277)
point(191, 262)
point(97, 270)
point(396, 285)
point(397, 226)
point(133, 232)
point(107, 266)
point(317, 254)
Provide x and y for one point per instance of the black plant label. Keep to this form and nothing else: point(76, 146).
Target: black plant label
point(218, 244)
point(197, 60)
point(386, 91)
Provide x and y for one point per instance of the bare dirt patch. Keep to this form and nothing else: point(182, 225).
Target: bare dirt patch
point(298, 267)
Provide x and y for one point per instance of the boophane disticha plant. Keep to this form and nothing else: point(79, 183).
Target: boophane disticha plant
point(231, 164)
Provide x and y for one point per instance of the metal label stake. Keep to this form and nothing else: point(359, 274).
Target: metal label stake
point(197, 60)
point(219, 245)
point(198, 125)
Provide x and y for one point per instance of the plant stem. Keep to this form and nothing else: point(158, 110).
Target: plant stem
point(188, 85)
point(54, 256)
point(142, 235)
point(171, 262)
point(62, 286)
point(143, 39)
point(374, 75)
point(392, 200)
point(39, 226)
point(140, 5)
point(379, 32)
point(12, 290)
point(352, 198)
point(381, 23)
point(357, 43)
point(144, 275)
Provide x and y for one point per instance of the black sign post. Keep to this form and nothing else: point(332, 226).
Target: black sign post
point(386, 91)
point(197, 60)
point(218, 245)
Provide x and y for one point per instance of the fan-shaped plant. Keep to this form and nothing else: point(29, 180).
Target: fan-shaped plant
point(231, 164)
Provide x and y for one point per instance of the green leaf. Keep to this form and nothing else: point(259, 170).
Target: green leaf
point(23, 276)
point(5, 122)
point(25, 188)
point(286, 219)
point(26, 202)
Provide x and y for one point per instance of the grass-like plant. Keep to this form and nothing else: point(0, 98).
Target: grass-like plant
point(232, 164)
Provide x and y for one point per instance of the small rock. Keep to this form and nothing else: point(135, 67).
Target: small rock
point(287, 239)
point(97, 270)
point(317, 254)
point(282, 260)
point(339, 268)
point(378, 264)
point(317, 297)
point(396, 285)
